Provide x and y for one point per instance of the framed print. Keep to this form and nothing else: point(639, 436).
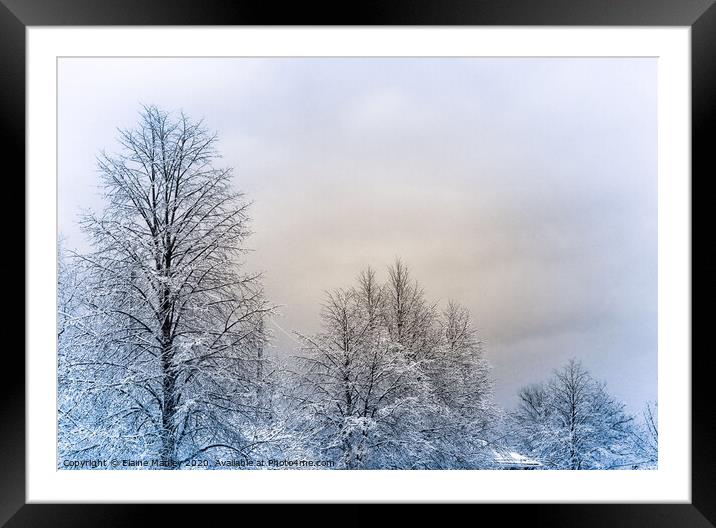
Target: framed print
point(427, 254)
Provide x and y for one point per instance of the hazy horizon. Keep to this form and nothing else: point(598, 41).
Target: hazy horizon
point(524, 189)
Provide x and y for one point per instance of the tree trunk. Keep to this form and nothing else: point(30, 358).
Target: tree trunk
point(169, 380)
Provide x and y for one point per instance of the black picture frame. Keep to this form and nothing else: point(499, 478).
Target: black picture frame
point(16, 15)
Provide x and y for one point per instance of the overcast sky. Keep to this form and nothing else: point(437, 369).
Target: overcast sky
point(523, 188)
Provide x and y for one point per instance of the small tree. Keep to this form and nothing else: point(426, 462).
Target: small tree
point(646, 437)
point(385, 384)
point(354, 377)
point(74, 340)
point(461, 384)
point(571, 422)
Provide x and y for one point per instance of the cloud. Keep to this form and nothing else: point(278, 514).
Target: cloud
point(524, 188)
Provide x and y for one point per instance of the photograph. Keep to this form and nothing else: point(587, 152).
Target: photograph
point(357, 263)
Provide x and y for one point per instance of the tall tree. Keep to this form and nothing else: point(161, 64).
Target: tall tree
point(180, 321)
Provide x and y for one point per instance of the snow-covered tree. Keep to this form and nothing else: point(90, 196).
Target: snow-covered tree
point(646, 437)
point(74, 340)
point(461, 383)
point(387, 383)
point(178, 327)
point(410, 320)
point(352, 376)
point(572, 422)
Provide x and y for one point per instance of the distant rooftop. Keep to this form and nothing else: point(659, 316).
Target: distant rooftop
point(510, 458)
